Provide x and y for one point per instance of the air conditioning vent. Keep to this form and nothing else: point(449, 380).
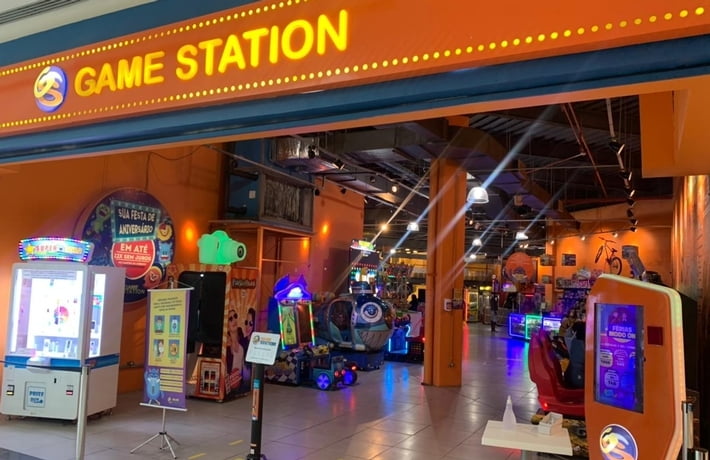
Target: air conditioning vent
point(32, 9)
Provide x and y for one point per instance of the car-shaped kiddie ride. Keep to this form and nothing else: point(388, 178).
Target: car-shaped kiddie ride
point(311, 366)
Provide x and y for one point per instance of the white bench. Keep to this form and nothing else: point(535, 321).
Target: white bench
point(526, 438)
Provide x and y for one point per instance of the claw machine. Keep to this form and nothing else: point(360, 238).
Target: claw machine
point(64, 313)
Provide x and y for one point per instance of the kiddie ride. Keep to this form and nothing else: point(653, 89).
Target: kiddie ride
point(358, 325)
point(300, 361)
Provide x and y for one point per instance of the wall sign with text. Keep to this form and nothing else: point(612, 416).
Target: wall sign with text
point(131, 229)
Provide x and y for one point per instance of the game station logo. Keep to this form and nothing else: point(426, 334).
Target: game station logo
point(132, 230)
point(50, 88)
point(616, 443)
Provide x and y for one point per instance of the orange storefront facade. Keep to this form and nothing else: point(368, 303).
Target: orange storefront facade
point(286, 66)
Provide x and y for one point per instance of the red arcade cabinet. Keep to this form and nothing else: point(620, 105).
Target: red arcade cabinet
point(634, 368)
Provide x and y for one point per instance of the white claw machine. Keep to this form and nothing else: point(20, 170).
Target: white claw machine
point(63, 313)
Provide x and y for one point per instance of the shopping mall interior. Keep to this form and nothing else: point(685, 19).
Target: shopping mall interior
point(241, 169)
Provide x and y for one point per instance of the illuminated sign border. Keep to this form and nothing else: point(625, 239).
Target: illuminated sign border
point(241, 53)
point(54, 248)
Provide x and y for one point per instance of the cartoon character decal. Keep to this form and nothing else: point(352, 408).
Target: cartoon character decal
point(152, 385)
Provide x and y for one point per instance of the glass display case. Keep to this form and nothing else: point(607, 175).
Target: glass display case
point(56, 317)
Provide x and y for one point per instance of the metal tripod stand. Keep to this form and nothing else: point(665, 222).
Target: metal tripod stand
point(165, 439)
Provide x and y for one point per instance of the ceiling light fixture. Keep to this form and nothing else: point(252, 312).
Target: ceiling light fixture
point(477, 242)
point(629, 213)
point(633, 221)
point(552, 241)
point(393, 250)
point(631, 202)
point(384, 227)
point(631, 193)
point(394, 188)
point(520, 235)
point(633, 228)
point(615, 234)
point(412, 227)
point(583, 237)
point(477, 195)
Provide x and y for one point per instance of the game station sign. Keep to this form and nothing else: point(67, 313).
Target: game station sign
point(132, 230)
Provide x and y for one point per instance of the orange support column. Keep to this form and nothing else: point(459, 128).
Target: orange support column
point(444, 282)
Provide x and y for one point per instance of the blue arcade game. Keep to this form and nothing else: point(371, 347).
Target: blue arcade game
point(300, 361)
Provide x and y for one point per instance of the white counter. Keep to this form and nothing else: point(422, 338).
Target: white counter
point(526, 438)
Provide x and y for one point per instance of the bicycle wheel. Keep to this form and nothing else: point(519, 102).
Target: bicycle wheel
point(599, 253)
point(615, 266)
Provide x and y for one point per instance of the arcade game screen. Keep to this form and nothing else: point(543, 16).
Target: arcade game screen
point(618, 341)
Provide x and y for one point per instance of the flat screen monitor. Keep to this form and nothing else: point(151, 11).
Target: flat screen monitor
point(619, 351)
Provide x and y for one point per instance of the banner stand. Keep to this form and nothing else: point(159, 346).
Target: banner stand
point(165, 438)
point(164, 376)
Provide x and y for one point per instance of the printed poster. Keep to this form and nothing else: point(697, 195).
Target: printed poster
point(131, 229)
point(166, 338)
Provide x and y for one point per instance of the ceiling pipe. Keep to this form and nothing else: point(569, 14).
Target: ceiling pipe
point(579, 135)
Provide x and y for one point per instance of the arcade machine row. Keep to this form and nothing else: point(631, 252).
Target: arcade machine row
point(60, 310)
point(634, 367)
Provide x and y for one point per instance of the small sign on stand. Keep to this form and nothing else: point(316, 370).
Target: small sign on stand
point(262, 350)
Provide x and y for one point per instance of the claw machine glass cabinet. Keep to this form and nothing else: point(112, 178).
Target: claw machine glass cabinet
point(63, 313)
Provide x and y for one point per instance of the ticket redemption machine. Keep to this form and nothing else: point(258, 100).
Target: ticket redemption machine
point(634, 368)
point(63, 314)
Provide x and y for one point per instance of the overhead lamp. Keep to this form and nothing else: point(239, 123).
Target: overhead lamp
point(626, 175)
point(412, 227)
point(631, 193)
point(629, 213)
point(477, 242)
point(552, 241)
point(520, 235)
point(631, 202)
point(615, 234)
point(633, 221)
point(477, 195)
point(583, 237)
point(393, 250)
point(394, 188)
point(633, 228)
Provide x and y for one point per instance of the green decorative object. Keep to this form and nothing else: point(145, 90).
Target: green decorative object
point(219, 249)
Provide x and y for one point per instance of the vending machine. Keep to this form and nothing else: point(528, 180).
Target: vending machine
point(63, 314)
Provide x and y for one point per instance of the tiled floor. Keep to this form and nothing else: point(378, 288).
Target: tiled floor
point(387, 415)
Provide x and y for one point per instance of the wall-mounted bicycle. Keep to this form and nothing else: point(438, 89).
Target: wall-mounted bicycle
point(611, 260)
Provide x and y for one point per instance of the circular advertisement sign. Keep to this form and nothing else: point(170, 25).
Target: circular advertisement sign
point(132, 230)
